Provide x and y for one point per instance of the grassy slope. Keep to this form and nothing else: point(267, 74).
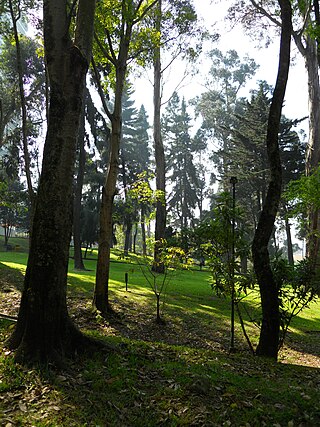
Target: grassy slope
point(176, 374)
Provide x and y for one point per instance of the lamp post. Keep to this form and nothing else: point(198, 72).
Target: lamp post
point(233, 181)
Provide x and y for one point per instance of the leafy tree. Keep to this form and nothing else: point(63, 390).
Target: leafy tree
point(224, 246)
point(44, 331)
point(218, 105)
point(121, 34)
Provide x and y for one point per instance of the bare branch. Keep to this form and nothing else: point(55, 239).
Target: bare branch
point(265, 13)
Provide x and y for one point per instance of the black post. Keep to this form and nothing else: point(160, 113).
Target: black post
point(233, 181)
point(126, 280)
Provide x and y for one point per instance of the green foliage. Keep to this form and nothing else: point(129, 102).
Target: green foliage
point(297, 287)
point(13, 207)
point(305, 192)
point(118, 23)
point(172, 259)
point(222, 240)
point(183, 163)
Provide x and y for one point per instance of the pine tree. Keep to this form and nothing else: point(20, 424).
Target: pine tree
point(181, 166)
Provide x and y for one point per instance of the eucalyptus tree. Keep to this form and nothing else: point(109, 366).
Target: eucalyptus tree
point(44, 330)
point(121, 35)
point(219, 103)
point(15, 14)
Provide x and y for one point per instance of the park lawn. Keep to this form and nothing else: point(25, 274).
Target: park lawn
point(179, 373)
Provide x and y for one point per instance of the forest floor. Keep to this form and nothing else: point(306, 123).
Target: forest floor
point(171, 374)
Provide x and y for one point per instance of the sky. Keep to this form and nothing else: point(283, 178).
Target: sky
point(296, 101)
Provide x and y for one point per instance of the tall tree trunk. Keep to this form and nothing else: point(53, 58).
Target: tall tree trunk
point(101, 291)
point(269, 335)
point(160, 225)
point(78, 261)
point(24, 116)
point(289, 239)
point(143, 232)
point(134, 240)
point(44, 330)
point(127, 238)
point(309, 51)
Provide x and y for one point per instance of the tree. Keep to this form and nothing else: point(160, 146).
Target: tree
point(13, 207)
point(220, 102)
point(181, 151)
point(175, 22)
point(134, 158)
point(30, 91)
point(306, 37)
point(78, 262)
point(44, 330)
point(117, 42)
point(15, 13)
point(269, 335)
point(247, 154)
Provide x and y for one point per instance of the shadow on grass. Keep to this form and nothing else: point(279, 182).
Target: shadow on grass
point(10, 278)
point(152, 384)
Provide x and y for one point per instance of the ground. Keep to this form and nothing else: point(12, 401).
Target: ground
point(179, 373)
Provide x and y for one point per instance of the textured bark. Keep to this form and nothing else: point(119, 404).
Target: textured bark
point(269, 335)
point(160, 225)
point(44, 331)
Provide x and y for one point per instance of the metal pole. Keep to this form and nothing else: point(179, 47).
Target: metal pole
point(126, 280)
point(233, 181)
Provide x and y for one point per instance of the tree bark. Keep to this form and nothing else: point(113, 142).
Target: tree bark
point(143, 231)
point(289, 241)
point(44, 331)
point(101, 291)
point(310, 53)
point(269, 335)
point(160, 225)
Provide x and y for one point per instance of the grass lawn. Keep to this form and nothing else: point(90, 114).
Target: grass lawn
point(179, 373)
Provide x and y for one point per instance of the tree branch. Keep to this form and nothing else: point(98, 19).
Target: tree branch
point(112, 58)
point(100, 90)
